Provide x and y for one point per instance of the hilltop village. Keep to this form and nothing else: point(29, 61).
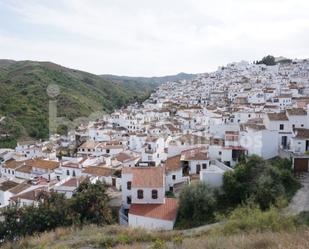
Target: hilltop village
point(185, 131)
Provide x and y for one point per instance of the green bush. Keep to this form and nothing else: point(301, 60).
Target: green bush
point(250, 217)
point(158, 244)
point(197, 204)
point(260, 180)
point(124, 239)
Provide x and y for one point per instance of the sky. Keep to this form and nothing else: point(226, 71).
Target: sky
point(152, 38)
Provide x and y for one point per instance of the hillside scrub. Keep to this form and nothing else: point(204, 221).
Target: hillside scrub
point(250, 218)
point(24, 100)
point(253, 180)
point(260, 180)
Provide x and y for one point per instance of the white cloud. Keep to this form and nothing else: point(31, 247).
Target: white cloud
point(139, 37)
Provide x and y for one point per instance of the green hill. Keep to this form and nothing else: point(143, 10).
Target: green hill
point(153, 81)
point(24, 100)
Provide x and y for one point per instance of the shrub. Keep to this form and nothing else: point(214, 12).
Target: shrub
point(196, 205)
point(250, 217)
point(124, 239)
point(159, 244)
point(260, 180)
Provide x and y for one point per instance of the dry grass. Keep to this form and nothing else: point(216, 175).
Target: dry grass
point(126, 238)
point(268, 240)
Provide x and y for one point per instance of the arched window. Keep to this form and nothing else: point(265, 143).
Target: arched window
point(140, 194)
point(154, 194)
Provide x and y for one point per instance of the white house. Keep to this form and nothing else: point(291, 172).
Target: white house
point(143, 193)
point(213, 174)
point(173, 172)
point(300, 141)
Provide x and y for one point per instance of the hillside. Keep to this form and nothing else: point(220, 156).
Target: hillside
point(154, 81)
point(126, 238)
point(24, 99)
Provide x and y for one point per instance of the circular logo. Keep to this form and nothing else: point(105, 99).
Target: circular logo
point(53, 90)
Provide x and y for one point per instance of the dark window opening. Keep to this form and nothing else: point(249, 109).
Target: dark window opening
point(129, 185)
point(140, 194)
point(154, 194)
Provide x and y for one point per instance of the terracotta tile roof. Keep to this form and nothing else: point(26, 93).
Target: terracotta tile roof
point(43, 164)
point(122, 157)
point(296, 112)
point(194, 154)
point(7, 185)
point(71, 165)
point(277, 116)
point(13, 164)
point(73, 182)
point(24, 169)
point(30, 195)
point(98, 171)
point(173, 163)
point(19, 188)
point(166, 211)
point(146, 177)
point(301, 133)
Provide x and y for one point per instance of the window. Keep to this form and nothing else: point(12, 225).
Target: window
point(281, 127)
point(302, 125)
point(129, 200)
point(107, 151)
point(204, 165)
point(154, 194)
point(220, 153)
point(174, 177)
point(129, 185)
point(68, 172)
point(293, 126)
point(74, 174)
point(140, 194)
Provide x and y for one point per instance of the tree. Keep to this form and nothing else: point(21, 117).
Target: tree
point(259, 180)
point(88, 205)
point(90, 202)
point(196, 204)
point(268, 60)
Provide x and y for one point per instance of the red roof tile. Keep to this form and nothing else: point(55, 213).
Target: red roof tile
point(166, 211)
point(147, 177)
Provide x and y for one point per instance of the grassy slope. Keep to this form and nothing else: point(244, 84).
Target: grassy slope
point(24, 100)
point(126, 238)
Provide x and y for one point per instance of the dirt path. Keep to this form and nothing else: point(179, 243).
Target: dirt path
point(300, 201)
